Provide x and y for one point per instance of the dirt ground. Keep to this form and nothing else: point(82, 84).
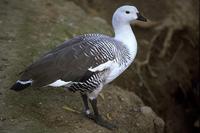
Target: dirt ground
point(42, 111)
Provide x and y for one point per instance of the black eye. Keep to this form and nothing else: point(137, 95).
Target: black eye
point(127, 12)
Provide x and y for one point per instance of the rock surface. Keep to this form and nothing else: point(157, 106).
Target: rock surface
point(30, 28)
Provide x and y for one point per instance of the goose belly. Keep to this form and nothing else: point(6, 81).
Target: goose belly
point(116, 70)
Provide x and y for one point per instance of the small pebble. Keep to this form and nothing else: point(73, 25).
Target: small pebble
point(121, 98)
point(99, 131)
point(140, 84)
point(146, 110)
point(137, 124)
point(136, 109)
point(2, 119)
point(159, 122)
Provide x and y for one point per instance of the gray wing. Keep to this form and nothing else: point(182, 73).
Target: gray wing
point(71, 60)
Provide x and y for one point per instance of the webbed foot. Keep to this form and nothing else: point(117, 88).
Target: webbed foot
point(100, 121)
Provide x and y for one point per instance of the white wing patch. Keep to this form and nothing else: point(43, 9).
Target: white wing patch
point(24, 82)
point(101, 67)
point(59, 83)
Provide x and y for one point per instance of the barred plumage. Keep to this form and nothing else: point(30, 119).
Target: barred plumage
point(109, 49)
point(88, 85)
